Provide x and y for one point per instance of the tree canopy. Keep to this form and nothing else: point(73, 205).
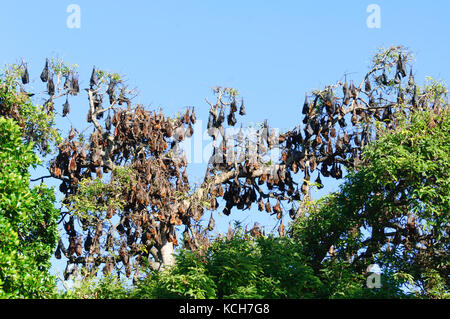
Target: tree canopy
point(326, 252)
point(128, 202)
point(392, 210)
point(28, 220)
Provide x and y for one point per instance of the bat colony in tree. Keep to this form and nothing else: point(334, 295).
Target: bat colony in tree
point(338, 121)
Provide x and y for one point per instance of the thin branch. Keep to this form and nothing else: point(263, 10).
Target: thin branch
point(40, 178)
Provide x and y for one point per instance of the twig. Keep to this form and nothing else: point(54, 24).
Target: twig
point(42, 177)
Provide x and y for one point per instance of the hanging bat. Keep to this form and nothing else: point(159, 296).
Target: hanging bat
point(189, 131)
point(50, 86)
point(353, 90)
point(401, 66)
point(110, 90)
point(329, 148)
point(383, 78)
point(281, 230)
point(277, 209)
point(66, 107)
point(192, 117)
point(367, 86)
point(72, 165)
point(268, 207)
point(233, 106)
point(346, 138)
point(78, 247)
point(333, 132)
point(66, 83)
point(260, 204)
point(255, 231)
point(88, 242)
point(108, 122)
point(242, 108)
point(305, 108)
point(414, 97)
point(211, 223)
point(292, 212)
point(72, 133)
point(220, 118)
point(93, 80)
point(99, 229)
point(123, 252)
point(25, 75)
point(305, 188)
point(319, 182)
point(75, 88)
point(108, 268)
point(397, 78)
point(346, 92)
point(186, 118)
point(231, 119)
point(72, 245)
point(411, 78)
point(69, 227)
point(58, 252)
point(339, 172)
point(211, 121)
point(227, 210)
point(329, 98)
point(309, 131)
point(324, 170)
point(44, 74)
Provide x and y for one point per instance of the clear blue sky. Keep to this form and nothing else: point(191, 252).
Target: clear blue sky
point(271, 51)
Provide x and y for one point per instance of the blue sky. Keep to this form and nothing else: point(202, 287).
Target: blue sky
point(273, 52)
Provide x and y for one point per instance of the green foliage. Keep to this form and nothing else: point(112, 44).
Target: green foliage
point(188, 279)
point(108, 287)
point(28, 220)
point(406, 174)
point(388, 57)
point(37, 124)
point(436, 286)
point(342, 281)
point(416, 155)
point(435, 89)
point(267, 267)
point(95, 196)
point(241, 267)
point(104, 77)
point(61, 68)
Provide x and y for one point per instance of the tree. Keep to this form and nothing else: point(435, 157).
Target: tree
point(144, 183)
point(36, 121)
point(28, 220)
point(125, 184)
point(243, 265)
point(392, 210)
